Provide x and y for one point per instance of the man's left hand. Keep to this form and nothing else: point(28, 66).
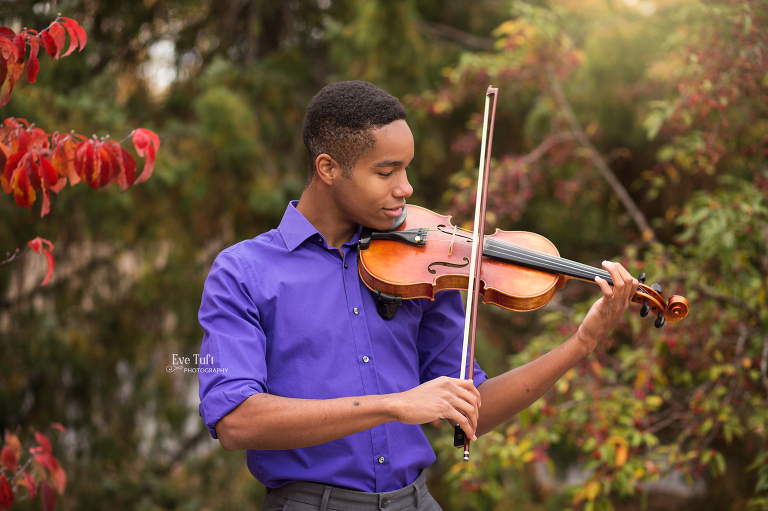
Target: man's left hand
point(607, 310)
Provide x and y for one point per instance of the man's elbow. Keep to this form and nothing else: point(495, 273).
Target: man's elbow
point(237, 430)
point(228, 435)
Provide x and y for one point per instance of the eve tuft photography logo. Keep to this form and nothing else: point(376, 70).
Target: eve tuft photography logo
point(187, 364)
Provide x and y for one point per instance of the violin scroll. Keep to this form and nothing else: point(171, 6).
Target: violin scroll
point(674, 309)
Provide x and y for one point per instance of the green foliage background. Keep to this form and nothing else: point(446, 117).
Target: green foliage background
point(90, 349)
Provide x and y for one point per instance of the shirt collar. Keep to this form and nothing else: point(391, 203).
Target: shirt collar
point(295, 228)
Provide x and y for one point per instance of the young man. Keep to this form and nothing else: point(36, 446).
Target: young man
point(325, 394)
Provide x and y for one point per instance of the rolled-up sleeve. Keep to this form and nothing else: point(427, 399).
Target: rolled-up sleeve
point(232, 355)
point(441, 335)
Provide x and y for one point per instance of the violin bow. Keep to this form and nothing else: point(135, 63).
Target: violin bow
point(478, 238)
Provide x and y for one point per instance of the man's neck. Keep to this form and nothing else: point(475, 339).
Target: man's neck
point(325, 216)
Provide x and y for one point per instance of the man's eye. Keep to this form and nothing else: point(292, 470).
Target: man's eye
point(382, 174)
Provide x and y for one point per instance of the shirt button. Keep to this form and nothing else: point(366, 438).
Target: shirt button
point(366, 359)
point(381, 459)
point(356, 311)
point(346, 266)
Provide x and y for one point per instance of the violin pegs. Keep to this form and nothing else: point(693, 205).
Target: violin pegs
point(656, 287)
point(641, 279)
point(659, 320)
point(645, 309)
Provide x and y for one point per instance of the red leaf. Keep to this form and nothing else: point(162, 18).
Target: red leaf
point(48, 496)
point(49, 44)
point(6, 493)
point(44, 453)
point(33, 66)
point(64, 159)
point(42, 439)
point(8, 458)
point(127, 168)
point(87, 162)
point(149, 165)
point(50, 176)
point(22, 140)
point(7, 32)
point(31, 486)
point(12, 163)
point(59, 36)
point(81, 35)
point(71, 26)
point(8, 48)
point(34, 45)
point(46, 202)
point(33, 172)
point(51, 263)
point(59, 478)
point(6, 86)
point(21, 47)
point(61, 183)
point(58, 425)
point(105, 162)
point(23, 192)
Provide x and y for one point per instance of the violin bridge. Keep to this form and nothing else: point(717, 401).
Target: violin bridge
point(453, 238)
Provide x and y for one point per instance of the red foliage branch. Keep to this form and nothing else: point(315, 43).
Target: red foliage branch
point(13, 49)
point(40, 473)
point(32, 159)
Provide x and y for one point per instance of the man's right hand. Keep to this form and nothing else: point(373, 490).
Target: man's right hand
point(441, 398)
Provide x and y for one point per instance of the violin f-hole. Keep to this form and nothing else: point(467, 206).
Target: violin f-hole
point(450, 265)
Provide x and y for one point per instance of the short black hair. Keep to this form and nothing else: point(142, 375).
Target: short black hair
point(339, 120)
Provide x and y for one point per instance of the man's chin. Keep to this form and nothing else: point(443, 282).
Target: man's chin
point(379, 224)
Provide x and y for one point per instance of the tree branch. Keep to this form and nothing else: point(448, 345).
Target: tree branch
point(458, 36)
point(645, 229)
point(731, 300)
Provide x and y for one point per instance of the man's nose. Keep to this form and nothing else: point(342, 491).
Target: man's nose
point(403, 188)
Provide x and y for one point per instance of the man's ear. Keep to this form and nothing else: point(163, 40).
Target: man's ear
point(327, 169)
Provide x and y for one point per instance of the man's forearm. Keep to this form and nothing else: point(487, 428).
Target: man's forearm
point(507, 394)
point(264, 421)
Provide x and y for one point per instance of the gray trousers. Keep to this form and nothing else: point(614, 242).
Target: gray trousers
point(304, 496)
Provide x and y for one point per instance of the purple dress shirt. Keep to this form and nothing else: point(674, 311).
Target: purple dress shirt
point(287, 314)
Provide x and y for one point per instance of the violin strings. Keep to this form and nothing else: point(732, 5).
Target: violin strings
point(540, 259)
point(506, 249)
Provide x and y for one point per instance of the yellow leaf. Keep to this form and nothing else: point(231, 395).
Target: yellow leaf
point(640, 374)
point(621, 455)
point(592, 490)
point(654, 400)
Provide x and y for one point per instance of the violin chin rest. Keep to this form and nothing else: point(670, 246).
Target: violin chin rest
point(398, 221)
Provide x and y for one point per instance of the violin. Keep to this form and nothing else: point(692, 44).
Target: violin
point(521, 271)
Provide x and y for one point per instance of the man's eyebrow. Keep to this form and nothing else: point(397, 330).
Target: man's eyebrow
point(389, 163)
